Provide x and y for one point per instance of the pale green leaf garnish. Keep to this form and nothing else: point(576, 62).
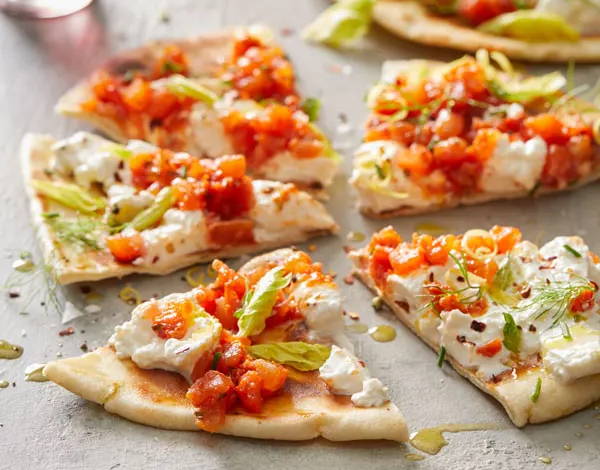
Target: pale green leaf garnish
point(329, 151)
point(532, 26)
point(180, 85)
point(535, 396)
point(258, 303)
point(120, 151)
point(81, 231)
point(441, 356)
point(70, 195)
point(512, 334)
point(151, 215)
point(311, 106)
point(296, 354)
point(510, 86)
point(501, 289)
point(342, 23)
point(376, 174)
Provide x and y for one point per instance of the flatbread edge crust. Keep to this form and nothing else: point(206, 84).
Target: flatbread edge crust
point(156, 398)
point(556, 399)
point(34, 155)
point(411, 20)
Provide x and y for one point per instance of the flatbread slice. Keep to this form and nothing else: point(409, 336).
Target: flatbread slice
point(304, 408)
point(482, 132)
point(412, 20)
point(504, 329)
point(195, 95)
point(76, 238)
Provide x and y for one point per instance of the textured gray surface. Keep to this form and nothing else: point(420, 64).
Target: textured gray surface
point(44, 426)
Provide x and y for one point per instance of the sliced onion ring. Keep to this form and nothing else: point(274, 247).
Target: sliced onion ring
point(482, 252)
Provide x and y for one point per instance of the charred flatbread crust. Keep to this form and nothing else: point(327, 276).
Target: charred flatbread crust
point(411, 20)
point(556, 399)
point(305, 409)
point(35, 155)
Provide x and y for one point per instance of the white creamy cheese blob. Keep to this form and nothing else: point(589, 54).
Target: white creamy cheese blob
point(88, 158)
point(137, 340)
point(207, 132)
point(379, 194)
point(514, 166)
point(179, 233)
point(345, 375)
point(569, 360)
point(461, 341)
point(321, 306)
point(285, 167)
point(563, 263)
point(583, 15)
point(283, 212)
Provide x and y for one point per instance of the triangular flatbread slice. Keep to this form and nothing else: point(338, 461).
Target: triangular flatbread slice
point(213, 95)
point(520, 323)
point(412, 20)
point(306, 405)
point(107, 210)
point(441, 135)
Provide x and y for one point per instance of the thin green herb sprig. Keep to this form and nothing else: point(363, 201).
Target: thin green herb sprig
point(79, 231)
point(555, 299)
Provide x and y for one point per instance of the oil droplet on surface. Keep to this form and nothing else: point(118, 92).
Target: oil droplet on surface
point(431, 440)
point(382, 333)
point(413, 457)
point(3, 383)
point(10, 351)
point(567, 447)
point(35, 373)
point(431, 228)
point(546, 460)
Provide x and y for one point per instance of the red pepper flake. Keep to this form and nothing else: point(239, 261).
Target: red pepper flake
point(349, 279)
point(67, 331)
point(353, 315)
point(287, 32)
point(312, 247)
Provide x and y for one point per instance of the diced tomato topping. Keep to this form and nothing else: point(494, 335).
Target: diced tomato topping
point(449, 126)
point(212, 394)
point(126, 248)
point(248, 390)
point(405, 259)
point(273, 375)
point(259, 71)
point(506, 237)
point(231, 287)
point(478, 11)
point(490, 349)
point(170, 319)
point(583, 301)
point(275, 129)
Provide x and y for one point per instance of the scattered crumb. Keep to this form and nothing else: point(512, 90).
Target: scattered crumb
point(13, 294)
point(84, 347)
point(59, 354)
point(164, 17)
point(354, 315)
point(286, 32)
point(67, 331)
point(312, 247)
point(349, 279)
point(347, 249)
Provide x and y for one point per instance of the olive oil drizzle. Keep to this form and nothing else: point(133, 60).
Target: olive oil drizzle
point(431, 440)
point(10, 351)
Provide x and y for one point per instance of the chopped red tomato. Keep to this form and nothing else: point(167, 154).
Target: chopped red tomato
point(449, 126)
point(259, 71)
point(212, 394)
point(405, 259)
point(506, 237)
point(273, 375)
point(126, 248)
point(583, 301)
point(478, 11)
point(490, 349)
point(249, 391)
point(277, 128)
point(171, 319)
point(380, 265)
